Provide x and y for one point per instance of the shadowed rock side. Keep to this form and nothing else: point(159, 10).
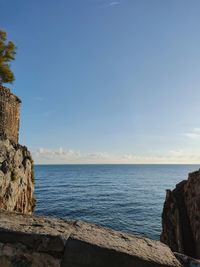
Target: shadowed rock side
point(40, 242)
point(16, 178)
point(181, 217)
point(187, 261)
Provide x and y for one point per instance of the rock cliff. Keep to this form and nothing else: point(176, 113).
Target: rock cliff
point(27, 240)
point(181, 217)
point(16, 178)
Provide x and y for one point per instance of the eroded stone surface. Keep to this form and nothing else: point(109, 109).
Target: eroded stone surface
point(79, 244)
point(9, 115)
point(17, 255)
point(16, 178)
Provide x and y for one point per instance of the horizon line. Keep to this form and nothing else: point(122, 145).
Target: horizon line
point(116, 163)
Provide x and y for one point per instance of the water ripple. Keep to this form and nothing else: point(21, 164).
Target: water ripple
point(124, 197)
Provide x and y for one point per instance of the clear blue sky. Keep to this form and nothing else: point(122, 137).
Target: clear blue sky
point(107, 81)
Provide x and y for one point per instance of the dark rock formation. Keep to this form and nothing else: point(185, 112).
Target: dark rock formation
point(16, 178)
point(43, 242)
point(187, 261)
point(181, 217)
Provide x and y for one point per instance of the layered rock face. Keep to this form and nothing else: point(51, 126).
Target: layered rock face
point(181, 217)
point(16, 178)
point(9, 114)
point(47, 242)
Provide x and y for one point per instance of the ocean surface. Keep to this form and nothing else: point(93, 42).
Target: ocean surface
point(124, 197)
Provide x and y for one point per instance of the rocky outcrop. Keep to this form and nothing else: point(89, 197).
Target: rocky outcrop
point(187, 261)
point(16, 178)
point(27, 240)
point(181, 217)
point(9, 114)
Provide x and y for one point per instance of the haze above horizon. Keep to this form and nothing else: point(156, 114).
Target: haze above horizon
point(105, 81)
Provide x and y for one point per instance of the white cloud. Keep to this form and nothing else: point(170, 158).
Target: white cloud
point(64, 156)
point(108, 3)
point(114, 3)
point(38, 98)
point(194, 134)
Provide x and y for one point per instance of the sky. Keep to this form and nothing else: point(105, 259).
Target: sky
point(105, 81)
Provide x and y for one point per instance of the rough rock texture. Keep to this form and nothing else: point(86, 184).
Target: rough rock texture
point(16, 178)
point(181, 217)
point(9, 114)
point(187, 261)
point(30, 241)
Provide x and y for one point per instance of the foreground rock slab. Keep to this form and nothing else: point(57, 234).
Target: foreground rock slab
point(27, 240)
point(181, 217)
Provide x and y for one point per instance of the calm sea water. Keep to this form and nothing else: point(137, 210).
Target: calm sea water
point(124, 197)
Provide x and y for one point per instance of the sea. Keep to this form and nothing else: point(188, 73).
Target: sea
point(128, 198)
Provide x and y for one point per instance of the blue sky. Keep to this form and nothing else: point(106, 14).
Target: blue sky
point(105, 81)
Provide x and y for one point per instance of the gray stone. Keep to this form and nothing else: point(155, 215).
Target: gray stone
point(187, 261)
point(75, 244)
point(37, 242)
point(16, 255)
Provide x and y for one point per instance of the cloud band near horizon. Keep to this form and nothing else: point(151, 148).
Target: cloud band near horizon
point(69, 156)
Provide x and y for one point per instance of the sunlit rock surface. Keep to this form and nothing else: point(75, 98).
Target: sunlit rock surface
point(16, 178)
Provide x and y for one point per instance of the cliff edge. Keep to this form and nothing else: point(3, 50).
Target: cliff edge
point(181, 217)
point(16, 178)
point(16, 164)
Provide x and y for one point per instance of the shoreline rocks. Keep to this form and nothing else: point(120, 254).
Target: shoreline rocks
point(16, 178)
point(187, 261)
point(42, 241)
point(181, 217)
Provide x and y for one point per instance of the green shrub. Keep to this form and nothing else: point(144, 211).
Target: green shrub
point(7, 54)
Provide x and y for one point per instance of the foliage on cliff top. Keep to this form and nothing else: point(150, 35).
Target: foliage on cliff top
point(7, 54)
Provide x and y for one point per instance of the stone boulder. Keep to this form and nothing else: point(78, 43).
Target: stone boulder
point(181, 217)
point(16, 178)
point(27, 240)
